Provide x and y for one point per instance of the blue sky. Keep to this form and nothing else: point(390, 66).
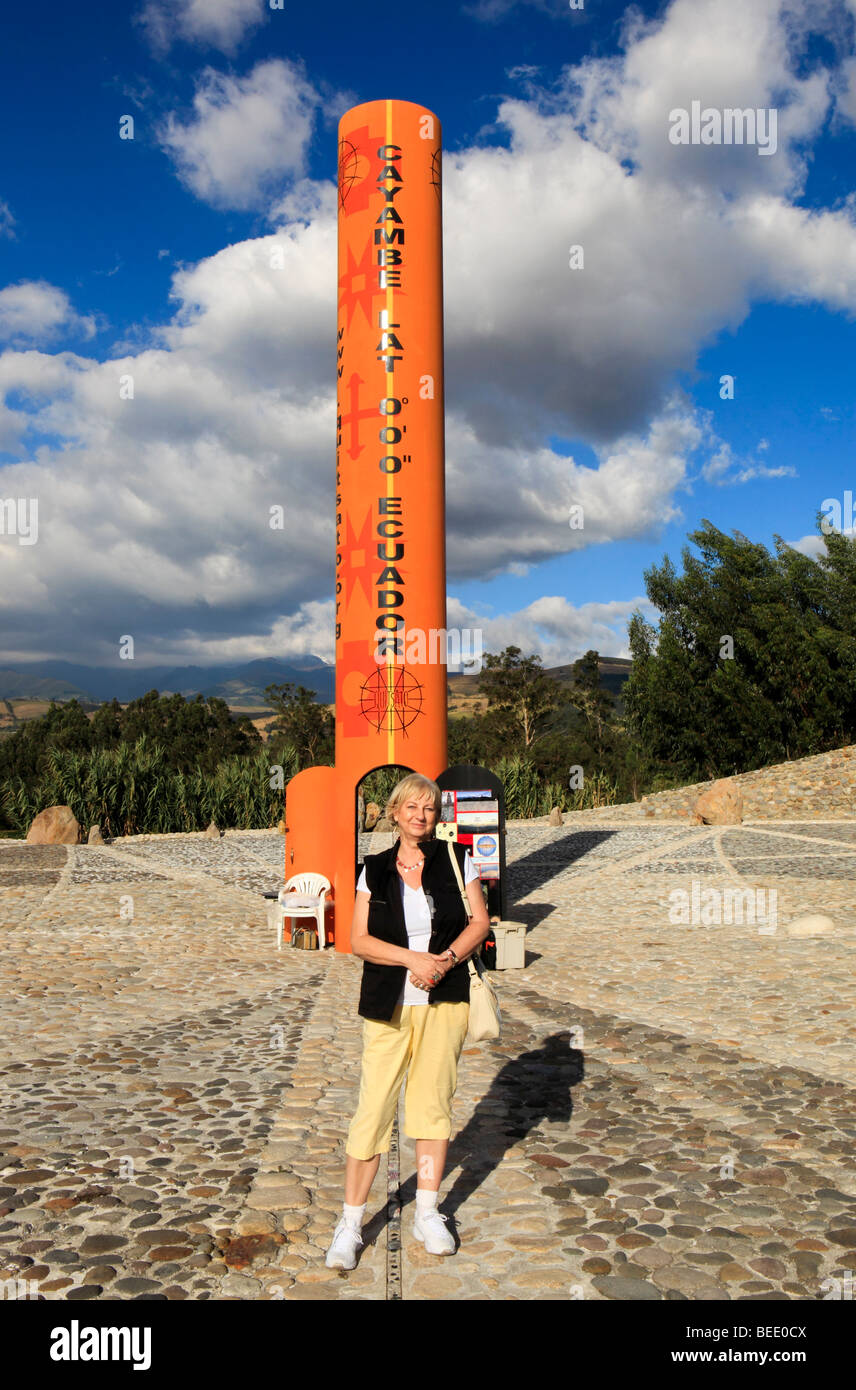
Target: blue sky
point(147, 256)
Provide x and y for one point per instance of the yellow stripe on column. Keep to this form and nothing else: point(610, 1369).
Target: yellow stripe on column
point(390, 390)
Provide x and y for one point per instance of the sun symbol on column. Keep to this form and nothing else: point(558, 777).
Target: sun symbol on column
point(391, 705)
point(351, 168)
point(358, 158)
point(436, 172)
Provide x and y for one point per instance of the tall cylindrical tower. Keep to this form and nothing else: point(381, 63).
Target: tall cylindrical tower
point(390, 487)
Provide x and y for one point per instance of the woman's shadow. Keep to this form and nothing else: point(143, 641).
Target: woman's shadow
point(532, 1087)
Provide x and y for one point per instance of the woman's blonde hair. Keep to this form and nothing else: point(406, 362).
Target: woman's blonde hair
point(414, 782)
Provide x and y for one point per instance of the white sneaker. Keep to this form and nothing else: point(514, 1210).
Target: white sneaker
point(344, 1246)
point(429, 1227)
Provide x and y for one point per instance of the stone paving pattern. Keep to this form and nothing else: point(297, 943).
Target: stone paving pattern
point(669, 1114)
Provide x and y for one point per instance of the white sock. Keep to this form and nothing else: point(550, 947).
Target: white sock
point(354, 1215)
point(425, 1199)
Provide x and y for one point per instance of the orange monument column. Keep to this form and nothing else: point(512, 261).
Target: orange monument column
point(390, 492)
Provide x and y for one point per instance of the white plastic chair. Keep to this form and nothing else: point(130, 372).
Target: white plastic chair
point(303, 896)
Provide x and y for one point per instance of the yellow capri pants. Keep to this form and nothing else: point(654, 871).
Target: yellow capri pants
point(427, 1039)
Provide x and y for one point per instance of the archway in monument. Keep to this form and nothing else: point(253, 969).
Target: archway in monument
point(375, 786)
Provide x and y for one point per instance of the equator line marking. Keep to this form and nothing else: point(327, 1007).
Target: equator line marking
point(393, 1225)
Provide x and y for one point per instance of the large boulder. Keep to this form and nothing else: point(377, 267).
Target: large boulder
point(372, 815)
point(95, 837)
point(556, 817)
point(58, 825)
point(383, 826)
point(721, 804)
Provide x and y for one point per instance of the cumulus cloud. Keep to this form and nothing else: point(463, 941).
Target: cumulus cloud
point(813, 546)
point(724, 54)
point(246, 135)
point(34, 311)
point(221, 24)
point(557, 630)
point(154, 511)
point(513, 506)
point(677, 241)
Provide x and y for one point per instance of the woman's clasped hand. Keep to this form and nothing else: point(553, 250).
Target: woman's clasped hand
point(428, 969)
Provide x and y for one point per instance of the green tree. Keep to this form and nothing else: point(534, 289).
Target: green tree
point(523, 698)
point(754, 658)
point(192, 737)
point(200, 730)
point(107, 725)
point(64, 727)
point(302, 722)
point(596, 705)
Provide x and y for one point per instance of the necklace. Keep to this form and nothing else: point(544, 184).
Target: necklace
point(407, 867)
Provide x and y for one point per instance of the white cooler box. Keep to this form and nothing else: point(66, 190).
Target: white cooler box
point(510, 938)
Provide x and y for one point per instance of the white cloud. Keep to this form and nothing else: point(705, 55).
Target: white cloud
point(725, 468)
point(557, 630)
point(35, 311)
point(678, 241)
point(154, 512)
point(246, 136)
point(221, 24)
point(799, 255)
point(509, 505)
point(812, 546)
point(723, 54)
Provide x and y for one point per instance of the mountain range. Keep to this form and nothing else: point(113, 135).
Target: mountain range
point(241, 684)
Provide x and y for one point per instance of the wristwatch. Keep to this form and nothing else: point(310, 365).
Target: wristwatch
point(450, 952)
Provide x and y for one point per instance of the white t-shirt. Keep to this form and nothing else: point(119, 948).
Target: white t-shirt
point(417, 919)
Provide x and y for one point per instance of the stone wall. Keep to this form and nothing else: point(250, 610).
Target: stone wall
point(822, 788)
point(819, 788)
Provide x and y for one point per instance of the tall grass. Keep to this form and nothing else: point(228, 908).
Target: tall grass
point(379, 783)
point(132, 790)
point(526, 795)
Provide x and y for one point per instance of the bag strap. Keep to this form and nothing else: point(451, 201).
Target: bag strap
point(457, 871)
point(473, 967)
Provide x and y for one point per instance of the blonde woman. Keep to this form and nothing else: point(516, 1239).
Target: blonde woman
point(411, 930)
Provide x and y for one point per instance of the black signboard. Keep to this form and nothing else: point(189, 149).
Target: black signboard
point(473, 813)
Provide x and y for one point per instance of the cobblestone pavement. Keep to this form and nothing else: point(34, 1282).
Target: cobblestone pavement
point(669, 1115)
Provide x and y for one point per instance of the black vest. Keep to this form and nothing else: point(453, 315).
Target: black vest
point(382, 984)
